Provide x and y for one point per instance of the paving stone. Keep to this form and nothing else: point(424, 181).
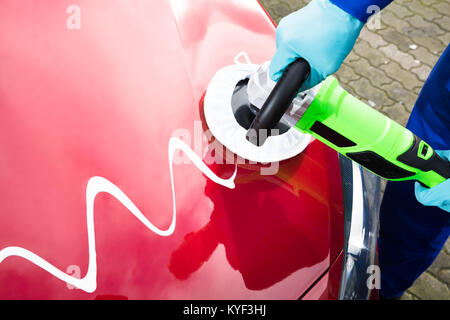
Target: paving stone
point(388, 18)
point(445, 38)
point(425, 27)
point(418, 36)
point(376, 76)
point(443, 22)
point(374, 56)
point(428, 2)
point(279, 11)
point(346, 87)
point(407, 296)
point(406, 60)
point(424, 56)
point(428, 287)
point(352, 57)
point(410, 295)
point(447, 246)
point(296, 4)
point(442, 7)
point(444, 275)
point(422, 72)
point(374, 39)
point(398, 93)
point(400, 39)
point(375, 22)
point(399, 10)
point(426, 11)
point(414, 297)
point(397, 112)
point(363, 89)
point(408, 79)
point(346, 74)
point(441, 262)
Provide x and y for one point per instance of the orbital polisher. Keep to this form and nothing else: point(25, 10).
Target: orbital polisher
point(264, 121)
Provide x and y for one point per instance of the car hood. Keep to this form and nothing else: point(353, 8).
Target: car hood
point(105, 183)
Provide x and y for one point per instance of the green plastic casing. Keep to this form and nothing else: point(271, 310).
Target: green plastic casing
point(368, 137)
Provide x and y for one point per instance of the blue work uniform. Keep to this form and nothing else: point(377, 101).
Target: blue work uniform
point(411, 234)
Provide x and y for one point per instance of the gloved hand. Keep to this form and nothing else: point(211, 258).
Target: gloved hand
point(437, 196)
point(321, 33)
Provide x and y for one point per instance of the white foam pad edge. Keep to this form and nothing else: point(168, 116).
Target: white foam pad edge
point(223, 125)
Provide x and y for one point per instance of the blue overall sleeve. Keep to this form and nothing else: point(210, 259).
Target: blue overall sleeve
point(411, 234)
point(361, 9)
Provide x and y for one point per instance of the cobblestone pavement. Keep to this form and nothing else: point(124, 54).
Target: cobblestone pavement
point(387, 68)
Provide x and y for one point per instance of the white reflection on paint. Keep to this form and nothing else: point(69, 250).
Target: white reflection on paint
point(97, 185)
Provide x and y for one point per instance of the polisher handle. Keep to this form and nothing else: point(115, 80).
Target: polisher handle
point(366, 136)
point(279, 100)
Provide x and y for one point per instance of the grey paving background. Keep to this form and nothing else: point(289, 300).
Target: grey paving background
point(387, 68)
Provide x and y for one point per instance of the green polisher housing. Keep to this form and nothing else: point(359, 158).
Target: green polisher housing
point(371, 139)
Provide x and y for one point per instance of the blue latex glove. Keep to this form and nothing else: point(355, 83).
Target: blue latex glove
point(437, 196)
point(321, 33)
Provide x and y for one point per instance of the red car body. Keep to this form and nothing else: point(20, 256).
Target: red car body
point(103, 99)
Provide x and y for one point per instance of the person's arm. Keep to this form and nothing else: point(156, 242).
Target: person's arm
point(439, 195)
point(361, 9)
point(323, 32)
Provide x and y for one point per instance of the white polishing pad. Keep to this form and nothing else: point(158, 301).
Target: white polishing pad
point(223, 125)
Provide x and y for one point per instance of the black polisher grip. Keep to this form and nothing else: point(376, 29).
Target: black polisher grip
point(278, 101)
point(441, 166)
point(435, 163)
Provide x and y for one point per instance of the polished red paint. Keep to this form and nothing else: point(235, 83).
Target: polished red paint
point(327, 287)
point(104, 101)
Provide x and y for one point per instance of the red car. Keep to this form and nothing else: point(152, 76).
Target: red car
point(105, 185)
